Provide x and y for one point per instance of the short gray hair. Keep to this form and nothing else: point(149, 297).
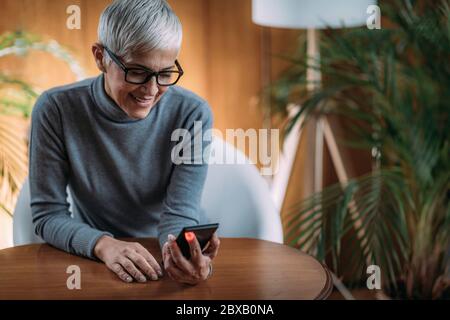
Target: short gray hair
point(139, 26)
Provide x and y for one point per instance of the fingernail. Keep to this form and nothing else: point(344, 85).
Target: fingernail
point(142, 279)
point(171, 237)
point(160, 274)
point(129, 279)
point(154, 277)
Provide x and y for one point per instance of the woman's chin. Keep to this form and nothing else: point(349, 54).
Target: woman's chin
point(140, 114)
point(138, 110)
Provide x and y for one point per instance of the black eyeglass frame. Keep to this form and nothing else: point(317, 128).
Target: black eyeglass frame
point(151, 73)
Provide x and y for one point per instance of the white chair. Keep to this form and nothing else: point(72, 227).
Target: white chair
point(23, 230)
point(235, 195)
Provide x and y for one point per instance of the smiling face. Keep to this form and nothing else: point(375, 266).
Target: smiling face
point(135, 99)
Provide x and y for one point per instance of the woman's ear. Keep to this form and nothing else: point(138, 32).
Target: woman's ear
point(98, 52)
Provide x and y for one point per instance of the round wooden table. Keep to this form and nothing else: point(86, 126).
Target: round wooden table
point(244, 269)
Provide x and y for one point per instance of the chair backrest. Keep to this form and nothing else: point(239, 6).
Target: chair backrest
point(239, 198)
point(23, 230)
point(235, 195)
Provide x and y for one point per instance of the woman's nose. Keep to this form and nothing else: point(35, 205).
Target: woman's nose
point(151, 87)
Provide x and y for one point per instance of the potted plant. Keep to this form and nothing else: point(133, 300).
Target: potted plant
point(392, 87)
point(17, 98)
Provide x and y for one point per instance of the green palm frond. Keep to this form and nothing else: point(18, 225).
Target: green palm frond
point(13, 160)
point(16, 97)
point(16, 101)
point(392, 87)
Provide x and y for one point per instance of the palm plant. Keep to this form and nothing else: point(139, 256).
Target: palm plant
point(16, 99)
point(393, 88)
point(16, 102)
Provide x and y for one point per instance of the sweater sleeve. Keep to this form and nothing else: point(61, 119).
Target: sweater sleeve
point(48, 175)
point(183, 195)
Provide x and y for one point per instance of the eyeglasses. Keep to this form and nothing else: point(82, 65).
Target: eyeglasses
point(143, 75)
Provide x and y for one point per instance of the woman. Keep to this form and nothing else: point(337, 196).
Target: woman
point(109, 139)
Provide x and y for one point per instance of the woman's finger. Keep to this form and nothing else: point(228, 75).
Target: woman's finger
point(195, 249)
point(182, 263)
point(121, 273)
point(213, 247)
point(174, 272)
point(143, 265)
point(149, 258)
point(132, 270)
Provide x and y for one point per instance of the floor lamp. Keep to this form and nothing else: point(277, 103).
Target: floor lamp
point(311, 15)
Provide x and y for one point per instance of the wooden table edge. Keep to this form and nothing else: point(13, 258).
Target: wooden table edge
point(323, 294)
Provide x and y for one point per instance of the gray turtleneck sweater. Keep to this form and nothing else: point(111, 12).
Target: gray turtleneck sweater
point(119, 170)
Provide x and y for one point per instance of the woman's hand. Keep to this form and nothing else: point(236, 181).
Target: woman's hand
point(194, 270)
point(129, 260)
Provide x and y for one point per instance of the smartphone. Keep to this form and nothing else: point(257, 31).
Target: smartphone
point(203, 233)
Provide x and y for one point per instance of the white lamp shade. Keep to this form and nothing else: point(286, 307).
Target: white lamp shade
point(317, 14)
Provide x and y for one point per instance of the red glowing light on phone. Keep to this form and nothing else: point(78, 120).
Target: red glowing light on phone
point(189, 236)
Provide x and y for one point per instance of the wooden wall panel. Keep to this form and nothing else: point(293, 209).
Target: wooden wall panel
point(47, 18)
point(234, 64)
point(194, 51)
